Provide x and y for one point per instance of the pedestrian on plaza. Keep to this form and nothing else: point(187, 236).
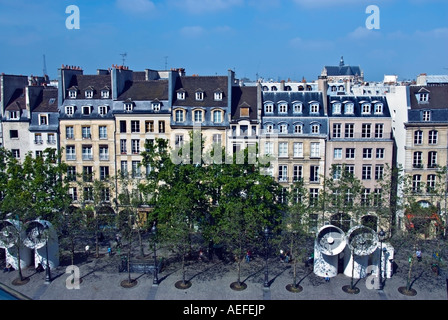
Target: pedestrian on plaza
point(109, 251)
point(418, 254)
point(282, 256)
point(8, 268)
point(248, 256)
point(201, 255)
point(327, 278)
point(87, 248)
point(287, 257)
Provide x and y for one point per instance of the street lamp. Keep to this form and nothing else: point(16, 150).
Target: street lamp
point(47, 269)
point(266, 244)
point(155, 280)
point(381, 236)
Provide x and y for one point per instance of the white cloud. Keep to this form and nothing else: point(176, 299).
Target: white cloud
point(362, 33)
point(310, 44)
point(205, 6)
point(136, 6)
point(192, 31)
point(434, 33)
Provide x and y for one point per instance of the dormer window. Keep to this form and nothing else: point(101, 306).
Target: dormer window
point(297, 107)
point(43, 119)
point(104, 94)
point(128, 106)
point(103, 110)
point(283, 107)
point(426, 116)
point(14, 115)
point(199, 95)
point(423, 97)
point(298, 128)
point(86, 110)
point(218, 96)
point(217, 116)
point(269, 108)
point(378, 108)
point(181, 95)
point(244, 112)
point(283, 128)
point(365, 108)
point(69, 110)
point(198, 115)
point(336, 108)
point(89, 94)
point(349, 108)
point(156, 106)
point(315, 128)
point(72, 94)
point(314, 107)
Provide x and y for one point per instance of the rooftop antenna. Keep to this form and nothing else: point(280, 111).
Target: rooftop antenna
point(166, 62)
point(123, 56)
point(45, 67)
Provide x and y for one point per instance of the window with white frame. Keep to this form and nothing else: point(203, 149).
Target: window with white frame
point(366, 172)
point(124, 168)
point(416, 183)
point(283, 107)
point(283, 149)
point(337, 129)
point(38, 138)
point(297, 107)
point(365, 197)
point(268, 148)
point(69, 110)
point(417, 160)
point(314, 108)
point(379, 130)
point(365, 108)
point(269, 128)
point(43, 119)
point(123, 146)
point(51, 138)
point(217, 138)
point(337, 108)
point(104, 152)
point(432, 159)
point(179, 115)
point(337, 171)
point(181, 95)
point(298, 128)
point(349, 108)
point(418, 137)
point(178, 140)
point(86, 134)
point(314, 196)
point(156, 106)
point(103, 110)
point(314, 173)
point(379, 172)
point(105, 94)
point(423, 97)
point(199, 95)
point(135, 146)
point(378, 108)
point(315, 128)
point(89, 94)
point(69, 132)
point(431, 182)
point(283, 173)
point(136, 169)
point(298, 149)
point(432, 137)
point(349, 130)
point(367, 153)
point(14, 115)
point(217, 116)
point(72, 94)
point(337, 153)
point(128, 106)
point(350, 153)
point(218, 96)
point(315, 150)
point(283, 128)
point(73, 193)
point(366, 130)
point(86, 110)
point(380, 153)
point(135, 126)
point(87, 153)
point(102, 132)
point(198, 115)
point(269, 108)
point(297, 173)
point(426, 115)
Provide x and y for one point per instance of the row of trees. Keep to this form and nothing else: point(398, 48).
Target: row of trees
point(221, 204)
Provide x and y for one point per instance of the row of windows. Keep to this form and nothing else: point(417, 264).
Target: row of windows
point(38, 137)
point(417, 160)
point(198, 116)
point(87, 153)
point(337, 108)
point(350, 153)
point(298, 128)
point(136, 126)
point(42, 118)
point(88, 94)
point(368, 131)
point(315, 151)
point(297, 107)
point(417, 184)
point(433, 136)
point(200, 95)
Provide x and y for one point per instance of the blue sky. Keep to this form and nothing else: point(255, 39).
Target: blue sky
point(276, 39)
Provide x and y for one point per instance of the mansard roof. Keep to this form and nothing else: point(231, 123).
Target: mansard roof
point(17, 101)
point(48, 100)
point(343, 71)
point(94, 82)
point(145, 90)
point(208, 84)
point(438, 97)
point(244, 97)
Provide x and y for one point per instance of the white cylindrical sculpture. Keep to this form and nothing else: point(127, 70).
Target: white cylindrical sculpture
point(362, 242)
point(42, 237)
point(329, 242)
point(11, 234)
point(388, 258)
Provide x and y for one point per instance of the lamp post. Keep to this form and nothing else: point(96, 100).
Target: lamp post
point(155, 281)
point(47, 269)
point(381, 235)
point(266, 239)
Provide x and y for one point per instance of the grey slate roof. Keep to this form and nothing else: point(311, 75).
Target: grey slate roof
point(208, 84)
point(145, 90)
point(358, 101)
point(343, 71)
point(17, 101)
point(244, 97)
point(97, 82)
point(438, 97)
point(48, 100)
